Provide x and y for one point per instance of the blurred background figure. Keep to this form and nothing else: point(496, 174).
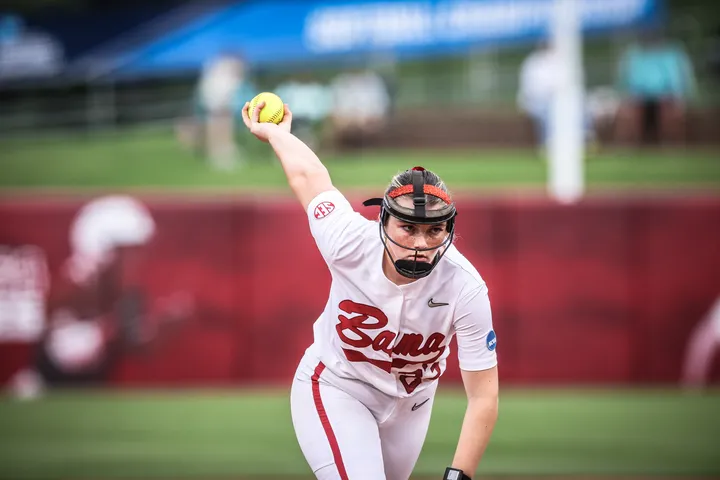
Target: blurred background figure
point(537, 87)
point(222, 90)
point(657, 80)
point(95, 308)
point(701, 349)
point(603, 104)
point(311, 103)
point(360, 107)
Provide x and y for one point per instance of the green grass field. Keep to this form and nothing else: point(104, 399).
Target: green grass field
point(151, 159)
point(243, 434)
point(248, 434)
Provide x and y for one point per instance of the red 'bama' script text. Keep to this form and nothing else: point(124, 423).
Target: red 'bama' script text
point(353, 332)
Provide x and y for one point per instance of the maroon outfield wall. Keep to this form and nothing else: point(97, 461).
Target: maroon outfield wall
point(603, 292)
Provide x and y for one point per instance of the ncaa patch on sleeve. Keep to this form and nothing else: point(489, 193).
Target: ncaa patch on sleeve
point(323, 209)
point(491, 340)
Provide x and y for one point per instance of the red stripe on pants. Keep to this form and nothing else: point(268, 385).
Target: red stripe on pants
point(326, 422)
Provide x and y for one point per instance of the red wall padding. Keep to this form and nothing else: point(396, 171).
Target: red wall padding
point(606, 291)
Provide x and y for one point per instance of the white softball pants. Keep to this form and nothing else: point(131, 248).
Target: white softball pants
point(348, 430)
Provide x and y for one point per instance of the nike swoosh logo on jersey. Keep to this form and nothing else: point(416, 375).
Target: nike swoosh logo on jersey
point(432, 304)
point(418, 405)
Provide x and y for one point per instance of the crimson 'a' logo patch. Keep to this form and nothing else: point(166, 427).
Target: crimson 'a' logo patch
point(323, 209)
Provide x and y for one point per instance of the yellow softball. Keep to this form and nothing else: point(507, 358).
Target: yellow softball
point(273, 111)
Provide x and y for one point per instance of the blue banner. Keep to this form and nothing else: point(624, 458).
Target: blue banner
point(296, 32)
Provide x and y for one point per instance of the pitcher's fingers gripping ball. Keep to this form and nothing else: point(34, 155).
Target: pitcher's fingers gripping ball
point(272, 111)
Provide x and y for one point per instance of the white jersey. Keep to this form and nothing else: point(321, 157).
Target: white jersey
point(395, 338)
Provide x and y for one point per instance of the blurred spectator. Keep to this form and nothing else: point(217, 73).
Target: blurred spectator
point(701, 349)
point(603, 104)
point(221, 92)
point(385, 65)
point(95, 308)
point(538, 85)
point(361, 106)
point(656, 78)
point(310, 102)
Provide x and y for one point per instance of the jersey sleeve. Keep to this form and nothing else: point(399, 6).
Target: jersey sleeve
point(476, 338)
point(338, 230)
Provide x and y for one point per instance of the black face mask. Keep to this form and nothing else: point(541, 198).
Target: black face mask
point(412, 268)
point(418, 214)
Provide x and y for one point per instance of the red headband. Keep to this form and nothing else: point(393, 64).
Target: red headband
point(427, 189)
